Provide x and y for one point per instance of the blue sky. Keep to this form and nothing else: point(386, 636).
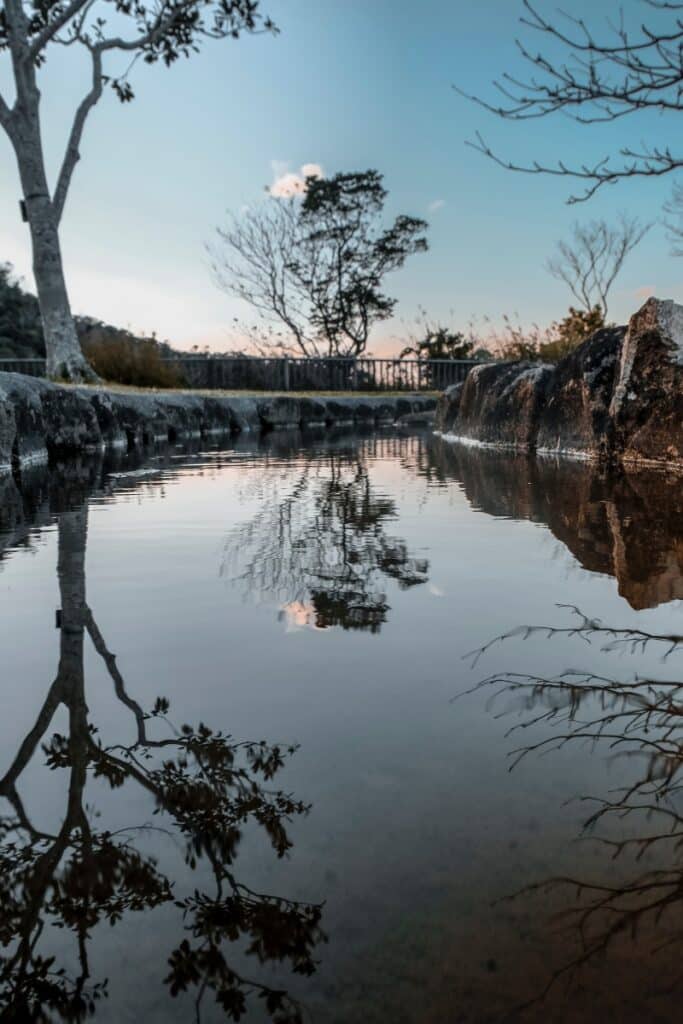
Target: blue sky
point(348, 84)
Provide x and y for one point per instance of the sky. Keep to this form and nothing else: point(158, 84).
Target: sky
point(346, 85)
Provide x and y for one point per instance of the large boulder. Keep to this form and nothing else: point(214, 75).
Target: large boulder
point(576, 412)
point(501, 402)
point(647, 405)
point(447, 407)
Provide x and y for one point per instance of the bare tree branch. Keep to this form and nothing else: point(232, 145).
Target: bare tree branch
point(594, 81)
point(72, 154)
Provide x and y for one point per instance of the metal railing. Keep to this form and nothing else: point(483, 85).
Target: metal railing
point(235, 373)
point(30, 367)
point(335, 374)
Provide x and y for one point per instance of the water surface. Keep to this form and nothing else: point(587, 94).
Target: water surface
point(321, 592)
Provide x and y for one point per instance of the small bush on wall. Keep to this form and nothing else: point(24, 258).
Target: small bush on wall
point(121, 358)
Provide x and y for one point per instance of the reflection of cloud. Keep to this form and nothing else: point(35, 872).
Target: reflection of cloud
point(437, 204)
point(298, 615)
point(436, 591)
point(288, 183)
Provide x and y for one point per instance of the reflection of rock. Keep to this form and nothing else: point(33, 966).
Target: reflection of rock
point(626, 525)
point(500, 403)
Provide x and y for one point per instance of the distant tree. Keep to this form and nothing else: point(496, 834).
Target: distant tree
point(569, 332)
point(164, 30)
point(591, 260)
point(21, 334)
point(438, 342)
point(595, 80)
point(315, 263)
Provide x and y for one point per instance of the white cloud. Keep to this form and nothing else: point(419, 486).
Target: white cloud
point(437, 204)
point(287, 183)
point(312, 171)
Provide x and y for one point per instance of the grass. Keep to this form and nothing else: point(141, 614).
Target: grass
point(224, 393)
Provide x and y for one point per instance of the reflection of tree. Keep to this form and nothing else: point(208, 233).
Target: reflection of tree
point(322, 547)
point(205, 787)
point(640, 720)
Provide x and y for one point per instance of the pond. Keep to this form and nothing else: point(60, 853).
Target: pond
point(247, 767)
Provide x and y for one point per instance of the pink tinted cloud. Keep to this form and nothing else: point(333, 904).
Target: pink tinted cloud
point(288, 184)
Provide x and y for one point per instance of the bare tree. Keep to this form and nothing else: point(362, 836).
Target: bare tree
point(590, 262)
point(160, 30)
point(594, 80)
point(252, 261)
point(314, 264)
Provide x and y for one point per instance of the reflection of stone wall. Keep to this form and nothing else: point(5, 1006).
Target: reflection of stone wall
point(617, 397)
point(627, 525)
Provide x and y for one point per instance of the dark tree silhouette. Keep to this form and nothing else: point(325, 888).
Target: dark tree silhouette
point(315, 263)
point(597, 78)
point(204, 787)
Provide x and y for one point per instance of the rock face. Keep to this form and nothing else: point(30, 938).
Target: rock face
point(39, 419)
point(447, 407)
point(576, 413)
point(8, 431)
point(647, 405)
point(617, 397)
point(501, 402)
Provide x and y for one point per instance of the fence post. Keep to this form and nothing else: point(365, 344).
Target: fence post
point(286, 372)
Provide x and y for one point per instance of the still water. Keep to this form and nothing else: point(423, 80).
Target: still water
point(242, 769)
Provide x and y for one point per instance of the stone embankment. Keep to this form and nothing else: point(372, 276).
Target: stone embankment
point(618, 397)
point(38, 418)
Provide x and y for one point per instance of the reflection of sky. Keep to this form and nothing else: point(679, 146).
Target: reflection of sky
point(415, 819)
point(349, 85)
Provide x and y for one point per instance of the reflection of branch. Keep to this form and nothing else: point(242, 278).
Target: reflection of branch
point(113, 669)
point(209, 786)
point(634, 639)
point(641, 719)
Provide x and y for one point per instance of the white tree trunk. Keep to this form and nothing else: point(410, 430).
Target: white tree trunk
point(65, 360)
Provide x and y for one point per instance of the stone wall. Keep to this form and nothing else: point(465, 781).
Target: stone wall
point(38, 418)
